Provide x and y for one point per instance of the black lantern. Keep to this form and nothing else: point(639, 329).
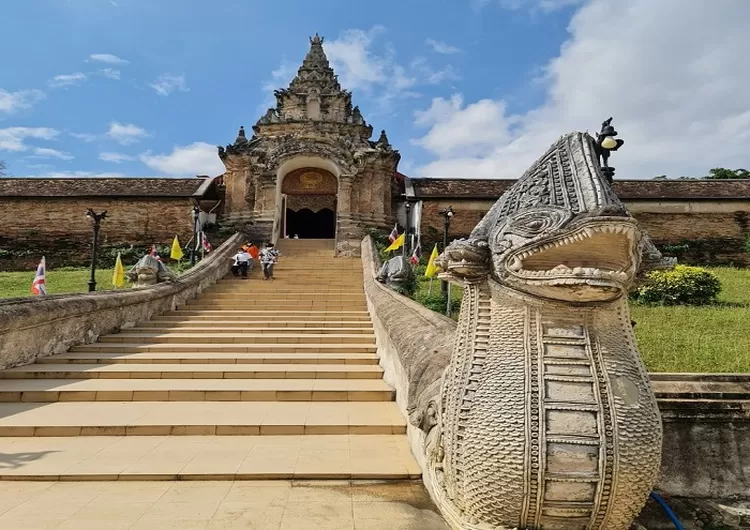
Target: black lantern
point(96, 220)
point(605, 144)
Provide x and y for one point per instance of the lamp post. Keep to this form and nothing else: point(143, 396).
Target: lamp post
point(196, 215)
point(605, 144)
point(96, 219)
point(407, 234)
point(447, 215)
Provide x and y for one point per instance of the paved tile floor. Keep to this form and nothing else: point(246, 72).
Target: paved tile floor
point(258, 505)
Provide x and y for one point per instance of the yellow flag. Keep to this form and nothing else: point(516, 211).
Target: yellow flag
point(118, 278)
point(431, 269)
point(176, 252)
point(397, 244)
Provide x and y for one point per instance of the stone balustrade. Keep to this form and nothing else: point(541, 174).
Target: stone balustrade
point(39, 327)
point(706, 417)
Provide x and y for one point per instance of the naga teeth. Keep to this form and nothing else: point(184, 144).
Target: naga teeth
point(578, 270)
point(515, 265)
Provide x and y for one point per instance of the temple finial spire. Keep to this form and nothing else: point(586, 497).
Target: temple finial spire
point(317, 39)
point(241, 138)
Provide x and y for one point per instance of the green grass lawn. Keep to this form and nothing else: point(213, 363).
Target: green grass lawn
point(678, 338)
point(64, 280)
point(699, 339)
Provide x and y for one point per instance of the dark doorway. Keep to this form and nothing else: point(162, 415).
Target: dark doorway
point(311, 225)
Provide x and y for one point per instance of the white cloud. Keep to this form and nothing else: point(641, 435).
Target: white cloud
point(431, 76)
point(679, 102)
point(107, 58)
point(165, 84)
point(23, 99)
point(43, 152)
point(110, 73)
point(86, 137)
point(196, 159)
point(545, 6)
point(441, 47)
point(125, 133)
point(64, 80)
point(12, 138)
point(115, 157)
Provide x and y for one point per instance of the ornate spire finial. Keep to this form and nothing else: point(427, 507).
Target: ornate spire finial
point(241, 138)
point(317, 39)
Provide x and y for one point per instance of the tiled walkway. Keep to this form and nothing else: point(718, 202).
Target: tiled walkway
point(257, 505)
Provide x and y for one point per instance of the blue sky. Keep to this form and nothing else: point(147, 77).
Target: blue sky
point(471, 88)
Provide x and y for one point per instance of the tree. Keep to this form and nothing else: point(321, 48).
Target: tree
point(2, 168)
point(723, 173)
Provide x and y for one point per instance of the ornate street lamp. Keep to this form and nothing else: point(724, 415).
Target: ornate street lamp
point(96, 220)
point(447, 214)
point(196, 216)
point(407, 231)
point(605, 144)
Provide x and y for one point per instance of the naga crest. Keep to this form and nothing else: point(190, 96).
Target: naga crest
point(546, 417)
point(149, 271)
point(558, 233)
point(395, 273)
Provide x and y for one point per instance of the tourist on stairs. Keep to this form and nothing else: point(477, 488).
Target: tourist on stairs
point(241, 263)
point(268, 257)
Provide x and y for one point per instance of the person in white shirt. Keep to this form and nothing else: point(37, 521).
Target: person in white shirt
point(241, 264)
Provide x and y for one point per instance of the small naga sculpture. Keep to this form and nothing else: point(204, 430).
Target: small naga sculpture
point(546, 417)
point(149, 271)
point(396, 273)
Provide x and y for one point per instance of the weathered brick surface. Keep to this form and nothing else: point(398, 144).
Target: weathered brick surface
point(59, 228)
point(625, 189)
point(719, 235)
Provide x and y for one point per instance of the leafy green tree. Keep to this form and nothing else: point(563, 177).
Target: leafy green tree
point(723, 173)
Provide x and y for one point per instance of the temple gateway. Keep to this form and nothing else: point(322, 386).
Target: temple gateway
point(310, 168)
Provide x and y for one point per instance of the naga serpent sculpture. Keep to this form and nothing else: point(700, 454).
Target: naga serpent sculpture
point(546, 417)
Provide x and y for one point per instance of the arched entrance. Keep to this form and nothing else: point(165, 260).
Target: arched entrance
point(310, 204)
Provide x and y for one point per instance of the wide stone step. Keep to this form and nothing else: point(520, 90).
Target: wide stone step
point(45, 390)
point(241, 327)
point(378, 457)
point(264, 418)
point(321, 326)
point(210, 358)
point(270, 304)
point(216, 337)
point(288, 314)
point(192, 371)
point(288, 296)
point(124, 347)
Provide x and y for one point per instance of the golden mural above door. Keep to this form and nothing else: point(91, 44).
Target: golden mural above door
point(309, 181)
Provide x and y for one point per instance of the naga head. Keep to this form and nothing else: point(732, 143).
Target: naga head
point(561, 233)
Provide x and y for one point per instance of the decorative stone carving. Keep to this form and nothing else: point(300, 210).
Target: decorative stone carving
point(309, 181)
point(546, 417)
point(314, 203)
point(396, 273)
point(149, 271)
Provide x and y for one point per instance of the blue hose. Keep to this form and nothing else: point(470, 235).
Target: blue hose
point(667, 510)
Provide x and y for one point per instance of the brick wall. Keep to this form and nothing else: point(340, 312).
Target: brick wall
point(717, 236)
point(59, 228)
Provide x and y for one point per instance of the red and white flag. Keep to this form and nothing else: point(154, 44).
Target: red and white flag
point(206, 243)
point(414, 259)
point(394, 234)
point(38, 286)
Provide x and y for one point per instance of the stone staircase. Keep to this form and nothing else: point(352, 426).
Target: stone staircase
point(252, 380)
